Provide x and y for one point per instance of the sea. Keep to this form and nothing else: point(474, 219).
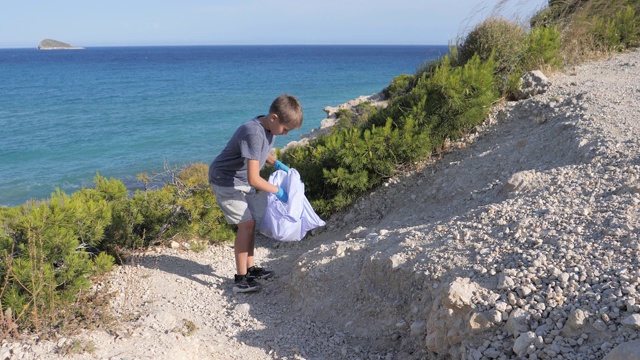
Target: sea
point(66, 115)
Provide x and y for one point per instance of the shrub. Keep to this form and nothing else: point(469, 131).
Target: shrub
point(445, 101)
point(542, 52)
point(362, 113)
point(620, 32)
point(183, 208)
point(498, 38)
point(542, 49)
point(399, 85)
point(345, 118)
point(556, 12)
point(455, 98)
point(46, 257)
point(121, 234)
point(202, 216)
point(110, 190)
point(591, 28)
point(194, 176)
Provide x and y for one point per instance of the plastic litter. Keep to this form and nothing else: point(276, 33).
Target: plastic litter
point(291, 221)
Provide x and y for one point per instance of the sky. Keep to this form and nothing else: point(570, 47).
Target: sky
point(25, 23)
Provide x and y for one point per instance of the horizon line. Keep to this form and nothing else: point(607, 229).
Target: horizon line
point(204, 45)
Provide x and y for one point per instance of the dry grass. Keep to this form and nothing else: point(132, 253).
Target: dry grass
point(73, 347)
point(576, 21)
point(8, 325)
point(187, 329)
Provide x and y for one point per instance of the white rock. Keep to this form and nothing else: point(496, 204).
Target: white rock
point(492, 353)
point(460, 293)
point(632, 322)
point(505, 282)
point(417, 328)
point(522, 343)
point(625, 351)
point(517, 322)
point(243, 309)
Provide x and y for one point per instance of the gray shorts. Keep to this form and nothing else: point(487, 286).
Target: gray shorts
point(239, 203)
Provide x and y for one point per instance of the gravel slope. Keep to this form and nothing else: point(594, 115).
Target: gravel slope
point(522, 241)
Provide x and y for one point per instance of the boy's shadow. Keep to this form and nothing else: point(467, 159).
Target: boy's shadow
point(188, 269)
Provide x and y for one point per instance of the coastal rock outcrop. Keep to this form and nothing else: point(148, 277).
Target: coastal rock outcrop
point(332, 117)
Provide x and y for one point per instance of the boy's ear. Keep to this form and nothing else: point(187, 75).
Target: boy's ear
point(273, 117)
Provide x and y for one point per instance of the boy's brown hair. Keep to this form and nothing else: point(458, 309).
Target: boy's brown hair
point(288, 109)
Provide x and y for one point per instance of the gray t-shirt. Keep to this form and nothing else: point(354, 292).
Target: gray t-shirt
point(251, 141)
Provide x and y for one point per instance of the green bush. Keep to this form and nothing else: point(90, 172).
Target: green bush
point(110, 190)
point(51, 249)
point(620, 32)
point(203, 216)
point(345, 118)
point(498, 38)
point(156, 210)
point(194, 176)
point(542, 52)
point(184, 208)
point(47, 256)
point(591, 28)
point(543, 48)
point(400, 85)
point(121, 232)
point(455, 98)
point(557, 11)
point(445, 102)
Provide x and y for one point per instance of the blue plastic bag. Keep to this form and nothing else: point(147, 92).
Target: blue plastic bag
point(290, 221)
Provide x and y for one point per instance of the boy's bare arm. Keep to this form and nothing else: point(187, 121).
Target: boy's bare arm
point(271, 160)
point(253, 175)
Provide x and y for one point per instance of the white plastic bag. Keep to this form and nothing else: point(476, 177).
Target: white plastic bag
point(292, 220)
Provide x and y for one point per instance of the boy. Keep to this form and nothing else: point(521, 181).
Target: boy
point(235, 175)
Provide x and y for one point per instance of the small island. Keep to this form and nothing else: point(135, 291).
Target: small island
point(48, 44)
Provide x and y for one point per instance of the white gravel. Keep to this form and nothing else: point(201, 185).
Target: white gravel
point(522, 242)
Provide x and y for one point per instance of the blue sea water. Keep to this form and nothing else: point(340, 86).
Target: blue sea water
point(120, 111)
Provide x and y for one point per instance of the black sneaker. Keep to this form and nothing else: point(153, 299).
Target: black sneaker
point(259, 273)
point(245, 283)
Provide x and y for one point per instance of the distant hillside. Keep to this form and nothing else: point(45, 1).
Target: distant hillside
point(49, 44)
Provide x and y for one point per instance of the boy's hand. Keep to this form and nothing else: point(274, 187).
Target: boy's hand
point(279, 165)
point(282, 195)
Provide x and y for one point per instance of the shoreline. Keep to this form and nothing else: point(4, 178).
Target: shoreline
point(329, 122)
point(132, 184)
point(122, 128)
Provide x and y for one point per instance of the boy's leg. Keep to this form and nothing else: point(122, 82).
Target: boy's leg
point(244, 245)
point(252, 245)
point(234, 205)
point(257, 201)
point(243, 249)
point(239, 205)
